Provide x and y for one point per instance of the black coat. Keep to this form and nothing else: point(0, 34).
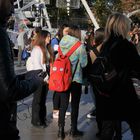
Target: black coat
point(123, 103)
point(12, 87)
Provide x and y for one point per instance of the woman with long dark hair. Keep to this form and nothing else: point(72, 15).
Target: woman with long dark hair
point(38, 61)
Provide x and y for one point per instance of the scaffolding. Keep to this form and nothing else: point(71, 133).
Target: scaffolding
point(20, 11)
point(74, 4)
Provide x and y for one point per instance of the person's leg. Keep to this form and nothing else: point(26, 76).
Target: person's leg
point(76, 90)
point(118, 130)
point(107, 130)
point(35, 120)
point(56, 105)
point(135, 128)
point(13, 122)
point(64, 102)
point(92, 113)
point(43, 111)
point(99, 125)
point(19, 55)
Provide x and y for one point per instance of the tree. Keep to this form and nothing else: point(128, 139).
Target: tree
point(101, 11)
point(130, 5)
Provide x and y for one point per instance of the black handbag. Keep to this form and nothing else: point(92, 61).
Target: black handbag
point(103, 74)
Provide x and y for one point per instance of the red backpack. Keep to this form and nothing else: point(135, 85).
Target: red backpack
point(61, 71)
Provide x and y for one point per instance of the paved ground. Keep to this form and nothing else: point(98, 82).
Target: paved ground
point(28, 132)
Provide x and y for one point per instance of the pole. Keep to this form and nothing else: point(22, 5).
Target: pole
point(84, 2)
point(46, 14)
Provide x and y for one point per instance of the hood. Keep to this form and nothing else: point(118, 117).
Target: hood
point(67, 41)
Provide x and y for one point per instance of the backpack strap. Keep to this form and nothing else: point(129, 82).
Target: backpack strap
point(69, 53)
point(60, 52)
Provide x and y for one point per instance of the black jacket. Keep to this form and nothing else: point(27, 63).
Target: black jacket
point(12, 87)
point(123, 103)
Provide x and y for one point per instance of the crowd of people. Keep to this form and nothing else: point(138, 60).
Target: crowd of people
point(119, 41)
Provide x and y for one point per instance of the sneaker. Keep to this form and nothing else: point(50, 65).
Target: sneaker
point(68, 113)
point(56, 115)
point(91, 115)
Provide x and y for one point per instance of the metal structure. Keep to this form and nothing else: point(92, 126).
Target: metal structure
point(39, 4)
point(91, 15)
point(133, 13)
point(75, 4)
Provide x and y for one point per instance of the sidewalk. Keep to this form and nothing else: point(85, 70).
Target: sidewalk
point(28, 132)
point(19, 70)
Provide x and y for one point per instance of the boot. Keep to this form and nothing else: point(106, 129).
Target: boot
point(61, 133)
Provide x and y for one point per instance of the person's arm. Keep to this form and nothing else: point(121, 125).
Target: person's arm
point(20, 88)
point(13, 87)
point(134, 60)
point(83, 56)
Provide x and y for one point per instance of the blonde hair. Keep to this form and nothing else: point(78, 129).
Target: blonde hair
point(118, 24)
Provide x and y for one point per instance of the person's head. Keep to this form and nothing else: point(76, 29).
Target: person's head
point(63, 30)
point(89, 38)
point(99, 36)
point(117, 25)
point(75, 31)
point(22, 27)
point(40, 42)
point(90, 28)
point(43, 41)
point(6, 10)
point(36, 30)
point(47, 36)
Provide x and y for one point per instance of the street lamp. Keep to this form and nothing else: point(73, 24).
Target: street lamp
point(68, 8)
point(68, 1)
point(68, 4)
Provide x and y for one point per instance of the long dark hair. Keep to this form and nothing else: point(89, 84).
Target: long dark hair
point(40, 41)
point(48, 46)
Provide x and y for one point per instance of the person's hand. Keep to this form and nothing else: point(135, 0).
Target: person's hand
point(42, 74)
point(46, 79)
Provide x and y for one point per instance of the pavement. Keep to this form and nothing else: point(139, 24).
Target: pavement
point(89, 126)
